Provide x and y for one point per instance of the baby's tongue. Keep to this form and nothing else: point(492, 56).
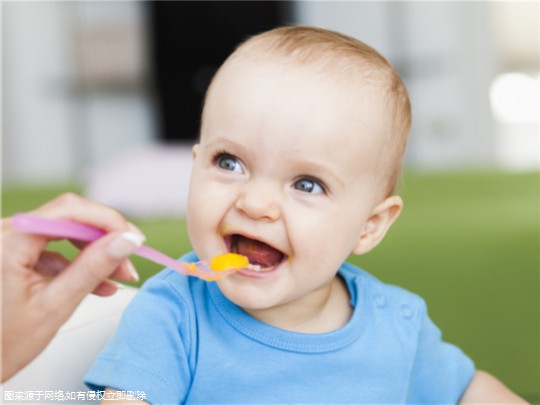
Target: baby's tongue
point(257, 252)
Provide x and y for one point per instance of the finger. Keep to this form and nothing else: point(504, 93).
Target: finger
point(51, 264)
point(91, 267)
point(106, 289)
point(125, 271)
point(24, 249)
point(71, 206)
point(79, 244)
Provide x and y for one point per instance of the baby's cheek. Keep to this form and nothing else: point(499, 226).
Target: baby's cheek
point(196, 225)
point(310, 241)
point(330, 241)
point(199, 242)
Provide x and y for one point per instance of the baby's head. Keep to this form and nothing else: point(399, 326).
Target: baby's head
point(302, 137)
point(346, 62)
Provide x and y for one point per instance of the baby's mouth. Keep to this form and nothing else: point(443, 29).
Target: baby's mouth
point(262, 257)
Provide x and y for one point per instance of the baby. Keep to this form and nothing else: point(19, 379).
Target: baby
point(302, 138)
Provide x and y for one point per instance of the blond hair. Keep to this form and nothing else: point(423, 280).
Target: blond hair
point(329, 49)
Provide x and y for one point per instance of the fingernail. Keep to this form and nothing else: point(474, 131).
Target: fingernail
point(132, 271)
point(124, 245)
point(136, 230)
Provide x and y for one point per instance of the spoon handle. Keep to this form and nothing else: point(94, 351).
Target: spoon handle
point(62, 228)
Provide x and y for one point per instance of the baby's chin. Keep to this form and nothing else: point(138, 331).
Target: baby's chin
point(244, 295)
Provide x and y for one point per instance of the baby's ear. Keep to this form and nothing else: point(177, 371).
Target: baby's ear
point(194, 150)
point(382, 217)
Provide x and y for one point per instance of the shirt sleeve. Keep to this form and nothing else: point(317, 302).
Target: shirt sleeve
point(150, 352)
point(441, 371)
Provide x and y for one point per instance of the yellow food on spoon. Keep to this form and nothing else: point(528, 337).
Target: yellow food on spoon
point(229, 261)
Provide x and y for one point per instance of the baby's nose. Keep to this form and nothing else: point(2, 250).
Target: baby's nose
point(259, 200)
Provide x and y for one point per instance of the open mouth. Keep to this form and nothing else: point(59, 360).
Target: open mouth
point(262, 257)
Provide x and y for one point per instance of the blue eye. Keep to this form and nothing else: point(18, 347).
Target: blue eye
point(308, 185)
point(229, 163)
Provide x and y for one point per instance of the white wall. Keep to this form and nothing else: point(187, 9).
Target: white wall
point(367, 21)
point(36, 112)
point(55, 126)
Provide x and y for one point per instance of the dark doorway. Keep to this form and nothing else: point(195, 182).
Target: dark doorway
point(188, 42)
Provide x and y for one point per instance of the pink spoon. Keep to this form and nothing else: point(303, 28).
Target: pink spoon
point(62, 228)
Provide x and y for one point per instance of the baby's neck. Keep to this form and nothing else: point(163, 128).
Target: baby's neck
point(323, 311)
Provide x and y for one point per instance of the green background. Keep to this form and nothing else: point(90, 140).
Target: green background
point(468, 243)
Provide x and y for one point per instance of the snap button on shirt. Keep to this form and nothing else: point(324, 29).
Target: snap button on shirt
point(406, 312)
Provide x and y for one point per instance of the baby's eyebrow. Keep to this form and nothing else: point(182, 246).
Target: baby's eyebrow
point(220, 142)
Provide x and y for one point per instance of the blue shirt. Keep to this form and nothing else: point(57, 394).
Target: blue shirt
point(182, 341)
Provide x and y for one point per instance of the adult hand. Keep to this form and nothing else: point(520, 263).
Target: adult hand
point(41, 289)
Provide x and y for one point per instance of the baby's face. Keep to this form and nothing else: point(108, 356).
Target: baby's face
point(284, 174)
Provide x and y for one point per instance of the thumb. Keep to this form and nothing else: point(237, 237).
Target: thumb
point(95, 263)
